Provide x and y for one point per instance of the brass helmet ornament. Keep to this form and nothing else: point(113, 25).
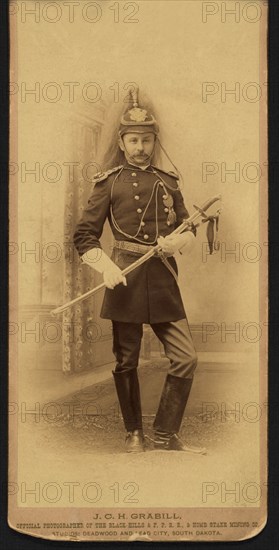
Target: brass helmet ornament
point(137, 119)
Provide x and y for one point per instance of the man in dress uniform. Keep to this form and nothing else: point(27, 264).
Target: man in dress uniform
point(143, 205)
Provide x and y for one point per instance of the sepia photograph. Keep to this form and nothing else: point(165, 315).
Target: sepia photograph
point(138, 270)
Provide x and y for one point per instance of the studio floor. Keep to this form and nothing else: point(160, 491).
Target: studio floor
point(80, 438)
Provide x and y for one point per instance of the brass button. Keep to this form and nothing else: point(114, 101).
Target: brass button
point(142, 223)
point(166, 209)
point(146, 237)
point(135, 184)
point(139, 210)
point(137, 197)
point(134, 174)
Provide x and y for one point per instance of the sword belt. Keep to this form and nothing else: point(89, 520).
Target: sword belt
point(132, 247)
point(142, 249)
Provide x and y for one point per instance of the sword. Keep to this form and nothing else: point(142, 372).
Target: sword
point(186, 224)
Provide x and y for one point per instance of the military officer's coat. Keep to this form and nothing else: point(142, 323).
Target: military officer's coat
point(140, 205)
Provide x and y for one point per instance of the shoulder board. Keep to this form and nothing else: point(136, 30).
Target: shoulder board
point(101, 176)
point(172, 174)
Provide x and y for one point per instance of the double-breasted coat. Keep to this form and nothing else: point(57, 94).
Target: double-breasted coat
point(140, 205)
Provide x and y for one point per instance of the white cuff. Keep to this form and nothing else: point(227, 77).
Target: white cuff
point(186, 242)
point(98, 259)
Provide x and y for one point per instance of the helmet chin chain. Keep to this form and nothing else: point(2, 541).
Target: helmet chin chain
point(181, 185)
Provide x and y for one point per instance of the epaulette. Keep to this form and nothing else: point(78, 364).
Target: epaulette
point(172, 174)
point(100, 176)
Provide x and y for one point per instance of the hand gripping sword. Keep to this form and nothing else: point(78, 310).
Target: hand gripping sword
point(186, 224)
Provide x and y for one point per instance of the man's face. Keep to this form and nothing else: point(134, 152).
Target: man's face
point(138, 146)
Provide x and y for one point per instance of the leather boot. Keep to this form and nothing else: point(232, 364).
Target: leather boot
point(128, 392)
point(134, 442)
point(170, 413)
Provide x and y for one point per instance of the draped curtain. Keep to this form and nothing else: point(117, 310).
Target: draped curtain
point(77, 321)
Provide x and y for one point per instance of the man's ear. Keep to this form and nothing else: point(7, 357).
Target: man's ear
point(121, 144)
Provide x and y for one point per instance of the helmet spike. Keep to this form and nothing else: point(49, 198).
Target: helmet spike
point(134, 93)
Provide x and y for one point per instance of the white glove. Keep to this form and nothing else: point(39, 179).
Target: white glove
point(172, 243)
point(99, 260)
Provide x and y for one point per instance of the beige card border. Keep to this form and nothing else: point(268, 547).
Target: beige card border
point(25, 520)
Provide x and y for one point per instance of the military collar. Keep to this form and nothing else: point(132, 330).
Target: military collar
point(151, 170)
point(130, 166)
point(133, 166)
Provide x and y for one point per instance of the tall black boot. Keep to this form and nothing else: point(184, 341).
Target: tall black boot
point(128, 392)
point(170, 413)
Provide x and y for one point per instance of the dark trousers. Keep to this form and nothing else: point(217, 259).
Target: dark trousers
point(175, 337)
